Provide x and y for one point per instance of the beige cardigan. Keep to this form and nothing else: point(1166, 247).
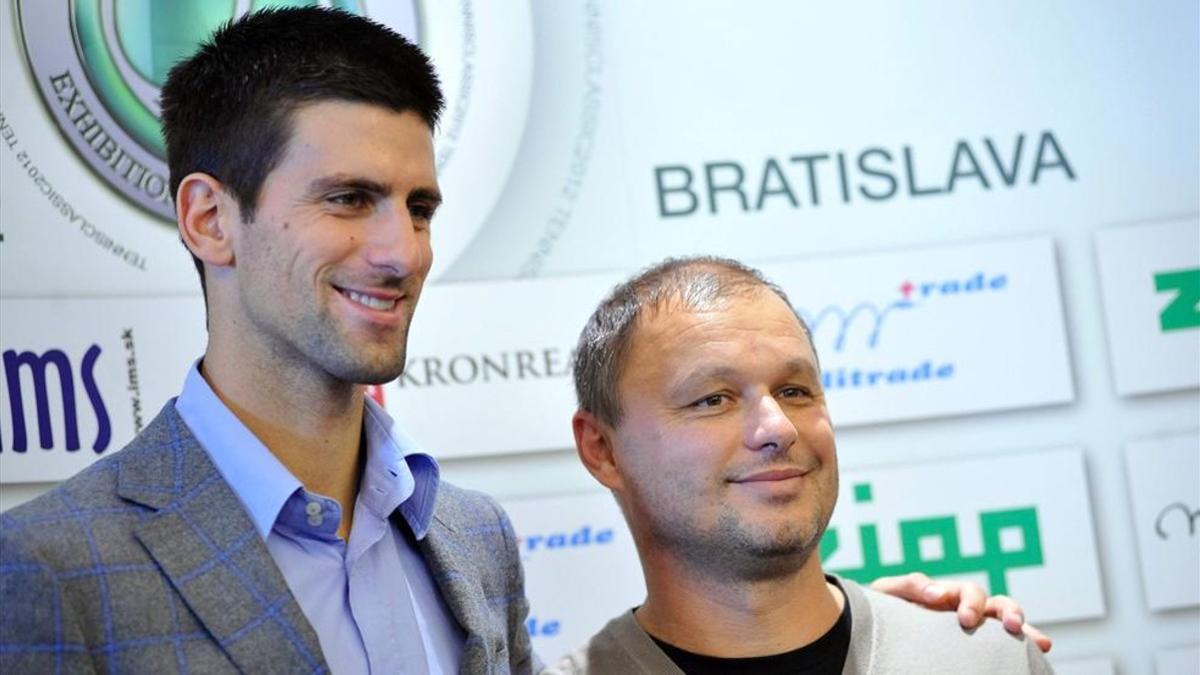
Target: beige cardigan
point(887, 636)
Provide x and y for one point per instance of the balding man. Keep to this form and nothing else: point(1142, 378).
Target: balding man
point(701, 409)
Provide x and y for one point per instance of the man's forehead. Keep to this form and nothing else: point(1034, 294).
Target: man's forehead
point(314, 115)
point(348, 134)
point(748, 308)
point(676, 334)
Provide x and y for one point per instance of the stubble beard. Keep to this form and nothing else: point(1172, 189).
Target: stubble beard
point(372, 363)
point(734, 550)
point(323, 346)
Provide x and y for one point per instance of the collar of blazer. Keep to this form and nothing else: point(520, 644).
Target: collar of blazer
point(206, 545)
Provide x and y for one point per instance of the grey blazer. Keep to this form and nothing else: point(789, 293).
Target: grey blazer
point(146, 562)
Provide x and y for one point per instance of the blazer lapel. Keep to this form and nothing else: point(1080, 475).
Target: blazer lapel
point(209, 550)
point(460, 589)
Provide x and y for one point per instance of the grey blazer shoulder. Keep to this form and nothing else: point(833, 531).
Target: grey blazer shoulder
point(147, 562)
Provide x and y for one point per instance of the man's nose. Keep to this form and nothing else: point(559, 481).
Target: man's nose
point(394, 242)
point(768, 427)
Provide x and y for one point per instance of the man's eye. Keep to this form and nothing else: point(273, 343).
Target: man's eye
point(794, 392)
point(710, 401)
point(352, 200)
point(421, 211)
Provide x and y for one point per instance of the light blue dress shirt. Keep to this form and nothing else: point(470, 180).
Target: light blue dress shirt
point(372, 601)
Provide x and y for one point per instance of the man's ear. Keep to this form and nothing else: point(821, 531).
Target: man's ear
point(593, 441)
point(204, 212)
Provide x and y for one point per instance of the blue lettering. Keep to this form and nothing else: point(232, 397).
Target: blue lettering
point(88, 375)
point(580, 538)
point(37, 365)
point(850, 377)
point(540, 628)
point(977, 283)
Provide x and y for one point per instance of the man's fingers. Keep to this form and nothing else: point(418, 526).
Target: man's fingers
point(1008, 611)
point(1039, 638)
point(972, 601)
point(915, 587)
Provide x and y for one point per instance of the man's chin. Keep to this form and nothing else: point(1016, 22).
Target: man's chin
point(364, 371)
point(379, 375)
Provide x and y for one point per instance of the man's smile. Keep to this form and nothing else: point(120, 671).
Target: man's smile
point(374, 300)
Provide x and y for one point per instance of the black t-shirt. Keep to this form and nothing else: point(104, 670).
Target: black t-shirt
point(827, 654)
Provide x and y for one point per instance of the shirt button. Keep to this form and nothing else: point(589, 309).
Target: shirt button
point(312, 509)
point(315, 520)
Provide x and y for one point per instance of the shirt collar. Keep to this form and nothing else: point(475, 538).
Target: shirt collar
point(396, 474)
point(406, 477)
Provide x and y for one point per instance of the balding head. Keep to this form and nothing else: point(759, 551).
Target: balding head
point(694, 284)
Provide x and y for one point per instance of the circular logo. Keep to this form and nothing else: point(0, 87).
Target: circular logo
point(99, 66)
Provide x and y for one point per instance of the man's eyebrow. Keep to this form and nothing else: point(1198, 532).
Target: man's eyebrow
point(340, 181)
point(803, 366)
point(431, 195)
point(686, 384)
point(799, 365)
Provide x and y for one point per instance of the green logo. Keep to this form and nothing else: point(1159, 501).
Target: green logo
point(1183, 312)
point(1011, 539)
point(100, 64)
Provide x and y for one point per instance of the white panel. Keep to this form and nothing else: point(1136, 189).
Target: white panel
point(1099, 665)
point(1150, 275)
point(124, 359)
point(1164, 490)
point(1031, 537)
point(581, 568)
point(1178, 661)
point(925, 333)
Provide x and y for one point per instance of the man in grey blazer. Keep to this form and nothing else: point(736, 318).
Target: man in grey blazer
point(273, 519)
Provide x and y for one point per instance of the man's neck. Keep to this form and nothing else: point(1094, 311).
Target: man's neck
point(315, 429)
point(735, 619)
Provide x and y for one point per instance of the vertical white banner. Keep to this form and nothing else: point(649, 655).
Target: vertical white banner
point(1164, 494)
point(1150, 277)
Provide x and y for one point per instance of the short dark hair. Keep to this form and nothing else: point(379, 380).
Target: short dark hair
point(690, 284)
point(226, 110)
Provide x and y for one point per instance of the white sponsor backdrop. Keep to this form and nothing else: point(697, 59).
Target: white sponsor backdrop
point(1011, 180)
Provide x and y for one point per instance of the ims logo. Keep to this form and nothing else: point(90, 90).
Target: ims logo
point(35, 387)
